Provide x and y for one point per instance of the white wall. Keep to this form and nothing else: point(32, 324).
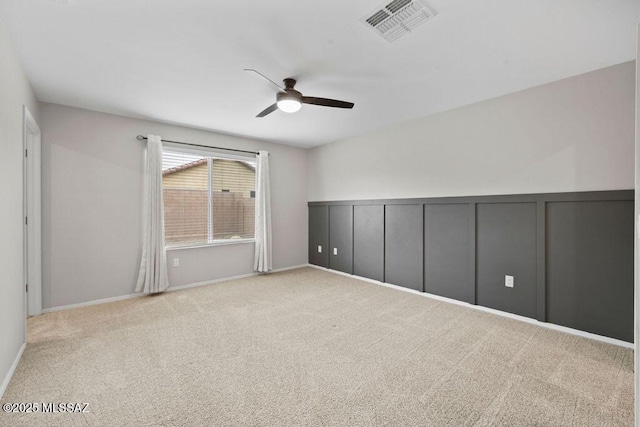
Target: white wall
point(571, 135)
point(92, 189)
point(15, 91)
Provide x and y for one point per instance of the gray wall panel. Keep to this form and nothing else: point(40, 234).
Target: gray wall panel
point(541, 297)
point(506, 245)
point(446, 251)
point(403, 246)
point(368, 241)
point(472, 254)
point(590, 267)
point(341, 238)
point(319, 235)
point(571, 253)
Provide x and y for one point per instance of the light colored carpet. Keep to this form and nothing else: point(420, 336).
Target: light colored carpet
point(309, 347)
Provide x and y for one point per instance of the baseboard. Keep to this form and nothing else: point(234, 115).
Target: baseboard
point(291, 268)
point(227, 279)
point(12, 369)
point(547, 325)
point(95, 302)
point(209, 282)
point(170, 289)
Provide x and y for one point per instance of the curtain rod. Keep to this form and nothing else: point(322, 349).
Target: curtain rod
point(142, 138)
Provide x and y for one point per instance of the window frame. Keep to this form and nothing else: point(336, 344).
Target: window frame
point(213, 154)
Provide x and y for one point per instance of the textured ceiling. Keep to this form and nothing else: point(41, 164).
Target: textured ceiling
point(181, 61)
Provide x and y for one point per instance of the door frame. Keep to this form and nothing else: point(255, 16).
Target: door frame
point(32, 216)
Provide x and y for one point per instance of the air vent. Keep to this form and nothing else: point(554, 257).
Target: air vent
point(398, 18)
point(378, 17)
point(396, 5)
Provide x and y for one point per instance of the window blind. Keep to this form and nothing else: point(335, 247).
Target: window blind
point(207, 198)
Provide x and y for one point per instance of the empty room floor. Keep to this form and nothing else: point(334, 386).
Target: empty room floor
point(310, 347)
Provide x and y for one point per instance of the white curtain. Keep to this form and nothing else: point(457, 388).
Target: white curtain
point(262, 261)
point(152, 277)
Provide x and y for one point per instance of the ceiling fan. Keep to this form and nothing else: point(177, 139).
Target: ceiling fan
point(290, 100)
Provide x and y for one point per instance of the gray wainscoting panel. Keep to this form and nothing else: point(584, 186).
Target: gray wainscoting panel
point(446, 251)
point(403, 246)
point(506, 245)
point(319, 235)
point(368, 241)
point(571, 254)
point(590, 266)
point(341, 238)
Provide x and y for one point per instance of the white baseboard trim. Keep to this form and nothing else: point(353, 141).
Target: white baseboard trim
point(290, 268)
point(12, 369)
point(95, 302)
point(170, 289)
point(490, 310)
point(227, 279)
point(209, 282)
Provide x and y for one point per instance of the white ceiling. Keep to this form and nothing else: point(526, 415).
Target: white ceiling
point(181, 61)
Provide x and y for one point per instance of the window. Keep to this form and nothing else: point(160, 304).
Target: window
point(208, 198)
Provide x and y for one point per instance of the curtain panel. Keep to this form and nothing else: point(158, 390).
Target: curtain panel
point(152, 277)
point(262, 262)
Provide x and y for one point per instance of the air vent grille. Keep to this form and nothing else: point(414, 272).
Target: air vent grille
point(398, 18)
point(380, 16)
point(396, 5)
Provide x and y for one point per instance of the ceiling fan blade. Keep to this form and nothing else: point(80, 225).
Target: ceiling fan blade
point(270, 109)
point(265, 77)
point(326, 102)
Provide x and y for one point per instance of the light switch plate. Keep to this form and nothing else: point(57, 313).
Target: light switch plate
point(176, 262)
point(335, 251)
point(319, 249)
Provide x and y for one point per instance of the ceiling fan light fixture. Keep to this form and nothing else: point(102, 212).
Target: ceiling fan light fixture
point(290, 100)
point(289, 104)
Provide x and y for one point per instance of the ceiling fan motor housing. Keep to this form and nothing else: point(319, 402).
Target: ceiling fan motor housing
point(290, 100)
point(289, 94)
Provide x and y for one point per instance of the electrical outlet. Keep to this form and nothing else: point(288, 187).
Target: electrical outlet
point(319, 249)
point(335, 251)
point(176, 262)
point(508, 281)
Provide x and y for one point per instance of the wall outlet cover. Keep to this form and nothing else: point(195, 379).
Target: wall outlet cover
point(508, 281)
point(319, 249)
point(176, 262)
point(335, 251)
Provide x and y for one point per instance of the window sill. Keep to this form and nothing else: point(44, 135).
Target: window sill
point(218, 243)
